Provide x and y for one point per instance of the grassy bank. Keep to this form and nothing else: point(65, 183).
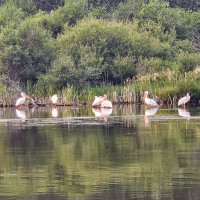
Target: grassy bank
point(168, 86)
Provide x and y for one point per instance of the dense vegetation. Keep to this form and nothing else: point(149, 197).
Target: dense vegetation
point(75, 46)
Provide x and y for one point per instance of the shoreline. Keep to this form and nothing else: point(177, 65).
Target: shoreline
point(88, 105)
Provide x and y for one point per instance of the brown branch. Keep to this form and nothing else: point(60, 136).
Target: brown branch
point(7, 79)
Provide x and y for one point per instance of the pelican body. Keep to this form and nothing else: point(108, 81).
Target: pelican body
point(105, 103)
point(102, 102)
point(184, 100)
point(21, 100)
point(97, 102)
point(54, 99)
point(149, 102)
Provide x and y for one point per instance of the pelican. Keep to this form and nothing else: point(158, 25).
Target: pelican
point(97, 102)
point(184, 100)
point(105, 103)
point(54, 99)
point(21, 101)
point(149, 102)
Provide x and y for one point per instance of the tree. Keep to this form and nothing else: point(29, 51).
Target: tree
point(25, 52)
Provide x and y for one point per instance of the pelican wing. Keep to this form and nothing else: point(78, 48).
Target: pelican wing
point(97, 101)
point(20, 101)
point(150, 102)
point(54, 99)
point(183, 100)
point(106, 104)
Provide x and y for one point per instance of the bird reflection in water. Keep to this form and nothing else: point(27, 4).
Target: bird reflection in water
point(148, 113)
point(54, 112)
point(102, 113)
point(21, 114)
point(184, 113)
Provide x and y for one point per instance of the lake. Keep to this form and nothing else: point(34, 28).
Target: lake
point(128, 152)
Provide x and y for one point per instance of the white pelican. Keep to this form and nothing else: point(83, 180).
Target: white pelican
point(97, 102)
point(21, 101)
point(184, 100)
point(54, 99)
point(105, 103)
point(149, 102)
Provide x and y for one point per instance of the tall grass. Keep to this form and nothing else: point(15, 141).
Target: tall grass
point(169, 86)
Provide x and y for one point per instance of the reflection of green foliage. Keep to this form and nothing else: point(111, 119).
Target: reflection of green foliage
point(73, 160)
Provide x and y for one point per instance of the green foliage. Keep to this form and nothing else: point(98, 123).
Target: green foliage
point(187, 62)
point(98, 51)
point(48, 5)
point(188, 5)
point(27, 54)
point(27, 6)
point(85, 43)
point(10, 14)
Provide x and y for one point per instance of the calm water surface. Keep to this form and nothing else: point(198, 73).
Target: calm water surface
point(129, 152)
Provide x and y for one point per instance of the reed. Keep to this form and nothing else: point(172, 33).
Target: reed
point(168, 85)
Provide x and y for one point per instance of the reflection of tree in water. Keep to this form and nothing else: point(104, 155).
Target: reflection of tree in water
point(103, 161)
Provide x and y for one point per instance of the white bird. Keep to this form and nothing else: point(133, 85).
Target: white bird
point(184, 100)
point(149, 102)
point(97, 102)
point(21, 100)
point(105, 103)
point(54, 99)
